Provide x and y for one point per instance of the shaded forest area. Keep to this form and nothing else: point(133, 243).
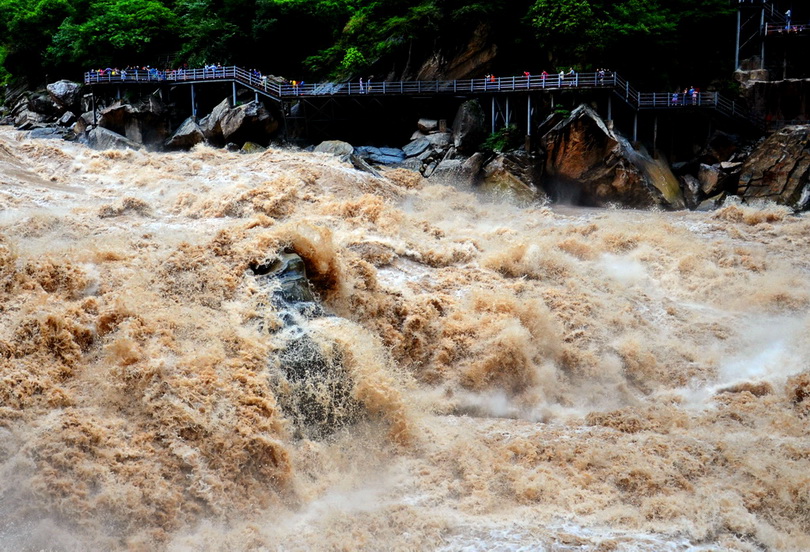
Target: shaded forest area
point(663, 43)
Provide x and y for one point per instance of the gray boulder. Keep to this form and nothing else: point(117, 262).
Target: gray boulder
point(440, 140)
point(240, 124)
point(416, 147)
point(248, 122)
point(145, 122)
point(28, 120)
point(67, 119)
point(709, 177)
point(52, 133)
point(336, 148)
point(211, 124)
point(469, 127)
point(65, 94)
point(427, 125)
point(103, 139)
point(511, 176)
point(188, 135)
point(381, 156)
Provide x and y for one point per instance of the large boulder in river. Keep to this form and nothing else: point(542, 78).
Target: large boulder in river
point(240, 124)
point(103, 139)
point(248, 122)
point(65, 94)
point(188, 135)
point(512, 176)
point(341, 149)
point(779, 169)
point(211, 124)
point(145, 122)
point(589, 164)
point(469, 127)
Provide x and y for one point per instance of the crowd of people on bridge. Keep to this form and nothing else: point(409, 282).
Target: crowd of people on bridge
point(183, 72)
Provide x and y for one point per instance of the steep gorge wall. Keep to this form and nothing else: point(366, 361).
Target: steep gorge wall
point(779, 101)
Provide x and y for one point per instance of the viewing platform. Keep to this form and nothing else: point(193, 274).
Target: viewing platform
point(501, 92)
point(285, 91)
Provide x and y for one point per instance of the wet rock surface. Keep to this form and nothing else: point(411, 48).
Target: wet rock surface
point(188, 135)
point(144, 122)
point(779, 169)
point(589, 164)
point(313, 387)
point(102, 139)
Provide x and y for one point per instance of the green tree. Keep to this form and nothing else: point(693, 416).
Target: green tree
point(26, 28)
point(116, 32)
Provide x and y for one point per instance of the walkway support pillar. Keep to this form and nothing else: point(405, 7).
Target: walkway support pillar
point(493, 114)
point(234, 93)
point(655, 138)
point(762, 37)
point(610, 108)
point(635, 127)
point(508, 115)
point(193, 102)
point(528, 122)
point(737, 49)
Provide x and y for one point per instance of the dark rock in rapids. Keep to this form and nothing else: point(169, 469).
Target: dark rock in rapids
point(779, 169)
point(54, 133)
point(311, 383)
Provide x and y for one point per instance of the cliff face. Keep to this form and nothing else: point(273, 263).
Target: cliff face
point(779, 169)
point(779, 101)
point(471, 60)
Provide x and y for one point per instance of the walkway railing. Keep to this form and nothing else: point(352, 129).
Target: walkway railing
point(288, 91)
point(785, 29)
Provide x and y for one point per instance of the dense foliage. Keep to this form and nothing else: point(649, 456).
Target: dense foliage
point(648, 40)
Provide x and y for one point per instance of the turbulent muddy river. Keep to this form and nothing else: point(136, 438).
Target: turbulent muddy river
point(473, 374)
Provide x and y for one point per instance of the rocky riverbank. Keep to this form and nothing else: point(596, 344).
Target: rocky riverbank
point(579, 158)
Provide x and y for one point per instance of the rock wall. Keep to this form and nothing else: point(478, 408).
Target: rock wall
point(778, 101)
point(779, 169)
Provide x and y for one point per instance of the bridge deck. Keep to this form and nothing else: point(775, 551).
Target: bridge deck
point(283, 91)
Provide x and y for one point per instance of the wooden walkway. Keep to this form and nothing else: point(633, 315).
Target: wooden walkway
point(286, 92)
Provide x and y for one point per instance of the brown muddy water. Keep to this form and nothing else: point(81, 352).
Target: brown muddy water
point(514, 377)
